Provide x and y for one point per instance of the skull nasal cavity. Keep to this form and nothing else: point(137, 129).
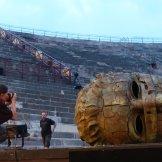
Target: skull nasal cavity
point(139, 125)
point(135, 89)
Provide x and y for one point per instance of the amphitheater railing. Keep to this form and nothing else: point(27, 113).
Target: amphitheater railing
point(57, 67)
point(94, 37)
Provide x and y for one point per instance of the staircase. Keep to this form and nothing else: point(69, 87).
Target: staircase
point(32, 99)
point(36, 96)
point(57, 68)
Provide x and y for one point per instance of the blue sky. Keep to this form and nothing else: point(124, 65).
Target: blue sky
point(104, 17)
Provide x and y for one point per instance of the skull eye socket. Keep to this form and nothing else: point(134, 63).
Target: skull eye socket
point(135, 89)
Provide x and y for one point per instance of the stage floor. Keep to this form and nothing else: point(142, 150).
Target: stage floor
point(121, 153)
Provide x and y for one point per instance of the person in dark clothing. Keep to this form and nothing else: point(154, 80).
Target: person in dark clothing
point(76, 82)
point(47, 128)
point(75, 78)
point(7, 109)
point(154, 65)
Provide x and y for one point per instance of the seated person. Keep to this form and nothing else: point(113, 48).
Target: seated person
point(75, 77)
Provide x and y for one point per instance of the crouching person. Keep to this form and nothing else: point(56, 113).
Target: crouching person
point(47, 128)
point(7, 110)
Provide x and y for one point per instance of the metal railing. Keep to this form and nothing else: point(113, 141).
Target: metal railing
point(93, 37)
point(58, 68)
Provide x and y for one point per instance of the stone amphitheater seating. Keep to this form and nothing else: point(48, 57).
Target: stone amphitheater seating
point(35, 96)
point(94, 57)
point(38, 90)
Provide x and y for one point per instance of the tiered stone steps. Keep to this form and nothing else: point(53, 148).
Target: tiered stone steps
point(33, 98)
point(88, 57)
point(65, 135)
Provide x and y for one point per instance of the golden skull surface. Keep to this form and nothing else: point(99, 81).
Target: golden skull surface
point(120, 108)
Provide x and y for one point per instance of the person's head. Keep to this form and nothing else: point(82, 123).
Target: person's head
point(76, 74)
point(3, 92)
point(44, 115)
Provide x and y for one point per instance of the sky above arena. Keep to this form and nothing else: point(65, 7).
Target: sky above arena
point(103, 17)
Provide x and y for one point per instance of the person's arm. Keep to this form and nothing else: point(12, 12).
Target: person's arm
point(52, 128)
point(40, 123)
point(53, 125)
point(13, 107)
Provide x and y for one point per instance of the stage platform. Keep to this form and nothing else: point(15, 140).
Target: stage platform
point(122, 153)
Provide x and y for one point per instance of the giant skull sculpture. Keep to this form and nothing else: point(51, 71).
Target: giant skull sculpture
point(120, 108)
